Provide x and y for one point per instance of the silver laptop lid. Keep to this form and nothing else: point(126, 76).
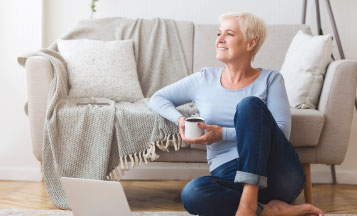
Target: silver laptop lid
point(95, 198)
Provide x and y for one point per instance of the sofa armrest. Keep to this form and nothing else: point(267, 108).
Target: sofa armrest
point(337, 103)
point(39, 75)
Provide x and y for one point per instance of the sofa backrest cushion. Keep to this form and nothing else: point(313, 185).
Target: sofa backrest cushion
point(271, 55)
point(185, 30)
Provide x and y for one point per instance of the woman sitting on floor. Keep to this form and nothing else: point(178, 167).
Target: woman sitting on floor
point(254, 168)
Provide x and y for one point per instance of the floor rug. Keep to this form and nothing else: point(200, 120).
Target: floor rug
point(20, 212)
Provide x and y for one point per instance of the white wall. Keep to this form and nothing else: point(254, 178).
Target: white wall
point(19, 34)
point(61, 15)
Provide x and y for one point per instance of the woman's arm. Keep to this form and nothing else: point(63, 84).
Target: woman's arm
point(278, 104)
point(229, 134)
point(165, 100)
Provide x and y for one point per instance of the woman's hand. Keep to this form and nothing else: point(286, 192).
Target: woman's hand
point(213, 133)
point(181, 125)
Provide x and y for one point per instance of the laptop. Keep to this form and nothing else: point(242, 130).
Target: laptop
point(89, 197)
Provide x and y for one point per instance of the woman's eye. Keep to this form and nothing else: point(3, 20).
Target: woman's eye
point(229, 34)
point(218, 34)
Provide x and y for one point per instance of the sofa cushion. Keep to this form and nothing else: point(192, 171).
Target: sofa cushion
point(183, 155)
point(271, 55)
point(101, 69)
point(304, 68)
point(204, 53)
point(185, 31)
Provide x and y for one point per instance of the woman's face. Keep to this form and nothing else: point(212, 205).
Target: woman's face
point(230, 42)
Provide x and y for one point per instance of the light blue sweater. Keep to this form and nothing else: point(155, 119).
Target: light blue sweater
point(217, 105)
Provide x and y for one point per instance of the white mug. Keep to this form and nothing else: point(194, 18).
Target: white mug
point(191, 128)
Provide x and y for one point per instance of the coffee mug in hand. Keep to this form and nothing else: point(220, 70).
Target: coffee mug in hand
point(191, 128)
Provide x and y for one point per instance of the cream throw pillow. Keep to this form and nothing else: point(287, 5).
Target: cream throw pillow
point(101, 69)
point(304, 68)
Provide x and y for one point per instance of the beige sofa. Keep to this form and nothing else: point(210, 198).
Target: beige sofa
point(320, 136)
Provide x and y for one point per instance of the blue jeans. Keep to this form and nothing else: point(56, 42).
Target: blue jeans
point(266, 158)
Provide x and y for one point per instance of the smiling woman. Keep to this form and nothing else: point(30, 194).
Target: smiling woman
point(254, 168)
point(238, 40)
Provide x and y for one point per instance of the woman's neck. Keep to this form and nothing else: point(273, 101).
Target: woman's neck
point(237, 76)
point(235, 73)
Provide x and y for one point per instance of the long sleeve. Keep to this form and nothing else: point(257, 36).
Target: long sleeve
point(278, 104)
point(229, 134)
point(168, 98)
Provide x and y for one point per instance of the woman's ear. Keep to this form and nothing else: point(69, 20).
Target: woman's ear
point(251, 44)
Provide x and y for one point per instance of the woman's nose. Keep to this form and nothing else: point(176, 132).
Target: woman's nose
point(220, 39)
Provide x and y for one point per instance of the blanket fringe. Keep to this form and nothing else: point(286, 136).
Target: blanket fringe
point(148, 155)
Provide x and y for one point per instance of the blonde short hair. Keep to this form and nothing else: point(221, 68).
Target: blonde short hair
point(251, 27)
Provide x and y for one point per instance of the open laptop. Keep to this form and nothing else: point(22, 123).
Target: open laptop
point(95, 198)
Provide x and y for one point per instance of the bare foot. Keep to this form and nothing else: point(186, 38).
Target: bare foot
point(245, 210)
point(277, 208)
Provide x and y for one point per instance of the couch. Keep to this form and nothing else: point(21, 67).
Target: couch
point(320, 136)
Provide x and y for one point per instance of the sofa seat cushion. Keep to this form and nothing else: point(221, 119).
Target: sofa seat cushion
point(185, 155)
point(306, 126)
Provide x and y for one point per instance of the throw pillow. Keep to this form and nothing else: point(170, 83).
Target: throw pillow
point(101, 69)
point(304, 68)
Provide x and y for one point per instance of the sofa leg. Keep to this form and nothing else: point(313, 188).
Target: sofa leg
point(308, 185)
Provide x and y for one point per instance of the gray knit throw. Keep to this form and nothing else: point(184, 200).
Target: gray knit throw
point(90, 141)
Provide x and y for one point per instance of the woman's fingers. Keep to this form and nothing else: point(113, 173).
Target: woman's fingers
point(182, 130)
point(200, 140)
point(213, 134)
point(204, 126)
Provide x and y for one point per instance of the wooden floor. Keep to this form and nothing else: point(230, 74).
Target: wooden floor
point(165, 196)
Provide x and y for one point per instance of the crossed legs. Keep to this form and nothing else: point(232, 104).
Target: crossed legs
point(268, 172)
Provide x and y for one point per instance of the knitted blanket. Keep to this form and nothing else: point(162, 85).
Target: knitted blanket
point(90, 137)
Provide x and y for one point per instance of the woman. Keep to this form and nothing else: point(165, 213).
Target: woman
point(254, 168)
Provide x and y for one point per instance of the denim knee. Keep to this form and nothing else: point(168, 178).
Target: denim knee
point(248, 103)
point(197, 196)
point(248, 107)
point(189, 196)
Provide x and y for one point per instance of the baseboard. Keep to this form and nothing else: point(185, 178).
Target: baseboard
point(346, 177)
point(20, 174)
point(321, 174)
